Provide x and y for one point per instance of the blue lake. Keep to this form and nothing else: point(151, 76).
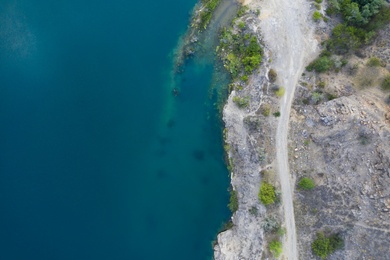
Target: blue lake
point(97, 160)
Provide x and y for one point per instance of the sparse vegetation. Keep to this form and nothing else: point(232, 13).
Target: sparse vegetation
point(324, 246)
point(241, 53)
point(267, 193)
point(276, 248)
point(241, 102)
point(306, 183)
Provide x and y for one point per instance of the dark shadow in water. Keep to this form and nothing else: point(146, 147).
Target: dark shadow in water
point(198, 155)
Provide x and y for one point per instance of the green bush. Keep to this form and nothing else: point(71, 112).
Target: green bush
point(276, 248)
point(277, 114)
point(386, 83)
point(324, 246)
point(233, 203)
point(318, 1)
point(321, 64)
point(306, 183)
point(267, 193)
point(317, 16)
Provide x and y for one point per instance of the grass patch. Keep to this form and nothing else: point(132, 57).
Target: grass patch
point(306, 183)
point(267, 193)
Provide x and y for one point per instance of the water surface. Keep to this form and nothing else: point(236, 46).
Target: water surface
point(88, 168)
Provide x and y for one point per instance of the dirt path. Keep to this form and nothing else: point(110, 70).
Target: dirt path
point(286, 29)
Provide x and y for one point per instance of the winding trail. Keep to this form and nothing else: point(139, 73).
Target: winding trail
point(287, 30)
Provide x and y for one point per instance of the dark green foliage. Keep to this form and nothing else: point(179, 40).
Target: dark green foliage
point(359, 12)
point(276, 114)
point(233, 203)
point(361, 19)
point(324, 246)
point(321, 64)
point(306, 183)
point(267, 193)
point(386, 83)
point(347, 38)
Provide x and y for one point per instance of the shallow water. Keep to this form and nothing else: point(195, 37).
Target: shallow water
point(89, 167)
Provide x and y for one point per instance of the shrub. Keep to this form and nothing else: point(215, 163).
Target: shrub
point(280, 92)
point(267, 193)
point(318, 1)
point(306, 183)
point(317, 16)
point(241, 102)
point(323, 246)
point(374, 62)
point(316, 97)
point(276, 114)
point(386, 83)
point(233, 203)
point(272, 75)
point(276, 248)
point(270, 224)
point(321, 64)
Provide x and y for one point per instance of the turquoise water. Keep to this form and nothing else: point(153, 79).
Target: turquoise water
point(93, 164)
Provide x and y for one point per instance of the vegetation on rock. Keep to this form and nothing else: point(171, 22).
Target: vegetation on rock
point(233, 203)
